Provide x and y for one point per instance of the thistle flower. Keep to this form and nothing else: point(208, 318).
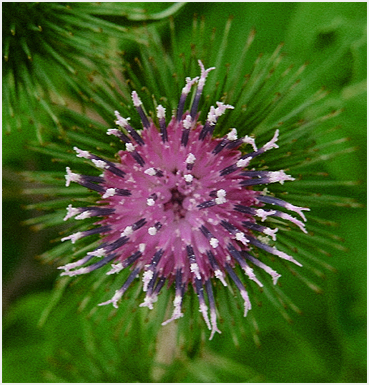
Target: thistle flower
point(180, 207)
point(201, 199)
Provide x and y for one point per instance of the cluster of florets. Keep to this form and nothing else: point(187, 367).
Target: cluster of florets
point(180, 207)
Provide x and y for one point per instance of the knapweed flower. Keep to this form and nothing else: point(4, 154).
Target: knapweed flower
point(184, 208)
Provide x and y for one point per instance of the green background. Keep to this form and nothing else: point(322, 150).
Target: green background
point(327, 343)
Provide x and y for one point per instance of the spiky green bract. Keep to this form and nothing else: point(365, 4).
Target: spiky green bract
point(51, 49)
point(267, 94)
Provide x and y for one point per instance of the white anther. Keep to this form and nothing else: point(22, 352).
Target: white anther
point(220, 197)
point(266, 268)
point(279, 176)
point(113, 131)
point(98, 252)
point(130, 147)
point(243, 162)
point(294, 220)
point(250, 273)
point(270, 232)
point(232, 135)
point(73, 237)
point(219, 201)
point(218, 274)
point(72, 265)
point(188, 178)
point(214, 243)
point(148, 301)
point(71, 212)
point(99, 163)
point(220, 110)
point(142, 247)
point(249, 140)
point(160, 111)
point(190, 158)
point(297, 209)
point(204, 312)
point(177, 310)
point(117, 296)
point(71, 177)
point(115, 269)
point(242, 238)
point(263, 214)
point(189, 83)
point(285, 256)
point(150, 171)
point(122, 122)
point(177, 301)
point(83, 270)
point(275, 276)
point(84, 215)
point(272, 143)
point(247, 303)
point(110, 192)
point(214, 327)
point(152, 230)
point(187, 122)
point(194, 267)
point(150, 202)
point(212, 117)
point(81, 153)
point(136, 100)
point(127, 231)
point(146, 278)
point(204, 73)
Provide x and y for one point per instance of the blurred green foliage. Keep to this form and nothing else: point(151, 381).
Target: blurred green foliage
point(327, 343)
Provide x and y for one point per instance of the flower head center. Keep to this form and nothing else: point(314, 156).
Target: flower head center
point(175, 204)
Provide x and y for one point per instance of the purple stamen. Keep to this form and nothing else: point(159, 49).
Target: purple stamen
point(89, 269)
point(99, 162)
point(219, 147)
point(119, 293)
point(122, 122)
point(149, 275)
point(206, 204)
point(273, 250)
point(261, 229)
point(247, 269)
point(162, 124)
point(203, 308)
point(263, 266)
point(200, 87)
point(282, 203)
point(187, 124)
point(264, 213)
point(138, 104)
point(82, 234)
point(185, 91)
point(240, 287)
point(213, 315)
point(124, 138)
point(177, 313)
point(136, 156)
point(213, 116)
point(194, 267)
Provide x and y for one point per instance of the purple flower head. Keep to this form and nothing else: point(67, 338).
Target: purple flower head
point(183, 208)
